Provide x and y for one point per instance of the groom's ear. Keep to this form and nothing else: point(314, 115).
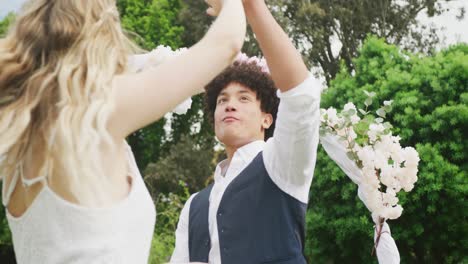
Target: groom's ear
point(267, 120)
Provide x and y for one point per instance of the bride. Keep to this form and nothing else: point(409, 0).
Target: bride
point(71, 187)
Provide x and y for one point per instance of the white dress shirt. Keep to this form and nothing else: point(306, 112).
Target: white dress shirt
point(289, 158)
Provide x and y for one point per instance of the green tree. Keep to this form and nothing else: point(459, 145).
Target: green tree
point(168, 207)
point(318, 24)
point(7, 254)
point(185, 169)
point(5, 24)
point(187, 162)
point(151, 23)
point(430, 112)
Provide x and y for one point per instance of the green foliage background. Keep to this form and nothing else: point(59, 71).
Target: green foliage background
point(429, 112)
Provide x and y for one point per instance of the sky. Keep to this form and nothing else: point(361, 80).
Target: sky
point(7, 6)
point(454, 30)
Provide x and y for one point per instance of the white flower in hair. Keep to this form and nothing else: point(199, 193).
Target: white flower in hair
point(261, 62)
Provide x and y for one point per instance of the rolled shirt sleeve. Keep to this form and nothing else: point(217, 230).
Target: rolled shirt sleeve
point(291, 153)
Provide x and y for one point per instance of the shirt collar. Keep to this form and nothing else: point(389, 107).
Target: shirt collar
point(243, 156)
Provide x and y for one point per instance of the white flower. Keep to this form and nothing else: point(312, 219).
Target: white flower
point(369, 178)
point(341, 132)
point(411, 156)
point(161, 54)
point(408, 187)
point(377, 128)
point(183, 107)
point(158, 56)
point(349, 106)
point(356, 148)
point(355, 119)
point(397, 157)
point(351, 134)
point(332, 117)
point(388, 143)
point(371, 198)
point(387, 176)
point(242, 57)
point(411, 171)
point(260, 62)
point(380, 158)
point(389, 197)
point(374, 131)
point(366, 155)
point(323, 112)
point(407, 177)
point(393, 212)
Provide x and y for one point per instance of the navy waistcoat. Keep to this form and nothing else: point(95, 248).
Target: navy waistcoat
point(257, 221)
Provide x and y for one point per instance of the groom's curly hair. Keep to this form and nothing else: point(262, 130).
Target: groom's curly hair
point(251, 76)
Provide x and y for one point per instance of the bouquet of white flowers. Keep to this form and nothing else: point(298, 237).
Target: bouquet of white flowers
point(363, 146)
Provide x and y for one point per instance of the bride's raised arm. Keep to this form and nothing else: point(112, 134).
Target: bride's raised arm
point(144, 97)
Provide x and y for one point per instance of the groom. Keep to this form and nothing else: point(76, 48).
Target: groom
point(255, 210)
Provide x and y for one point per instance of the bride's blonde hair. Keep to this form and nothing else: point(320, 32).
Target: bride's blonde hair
point(57, 63)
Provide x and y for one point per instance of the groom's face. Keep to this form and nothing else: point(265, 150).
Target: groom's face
point(238, 117)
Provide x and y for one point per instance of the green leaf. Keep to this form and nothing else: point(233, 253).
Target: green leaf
point(351, 112)
point(351, 155)
point(387, 125)
point(381, 112)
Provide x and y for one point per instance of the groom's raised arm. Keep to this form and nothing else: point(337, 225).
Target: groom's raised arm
point(290, 155)
point(285, 62)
